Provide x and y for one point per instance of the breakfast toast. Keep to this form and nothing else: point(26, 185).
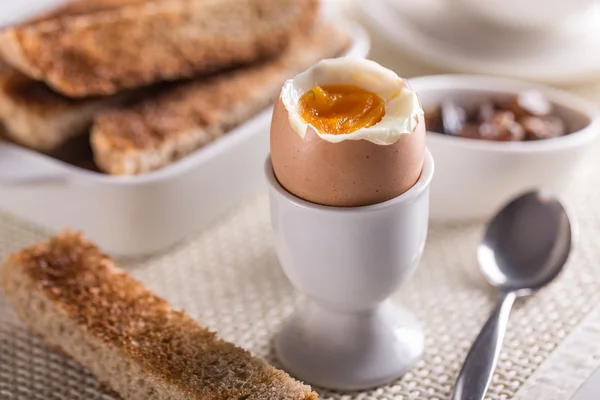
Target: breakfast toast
point(170, 125)
point(36, 116)
point(70, 293)
point(143, 42)
point(39, 118)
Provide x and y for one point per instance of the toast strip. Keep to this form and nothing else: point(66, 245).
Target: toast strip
point(154, 133)
point(36, 117)
point(103, 52)
point(71, 294)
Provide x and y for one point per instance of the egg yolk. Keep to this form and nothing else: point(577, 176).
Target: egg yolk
point(340, 109)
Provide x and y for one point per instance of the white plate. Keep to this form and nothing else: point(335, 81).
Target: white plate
point(431, 31)
point(590, 390)
point(11, 12)
point(147, 213)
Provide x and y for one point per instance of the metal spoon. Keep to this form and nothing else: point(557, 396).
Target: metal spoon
point(525, 247)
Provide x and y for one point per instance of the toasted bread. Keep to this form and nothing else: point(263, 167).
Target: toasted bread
point(70, 293)
point(159, 130)
point(4, 68)
point(37, 117)
point(106, 51)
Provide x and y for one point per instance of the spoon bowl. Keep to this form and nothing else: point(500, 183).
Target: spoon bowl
point(526, 244)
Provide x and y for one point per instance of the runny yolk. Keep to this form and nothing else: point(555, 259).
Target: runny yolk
point(340, 108)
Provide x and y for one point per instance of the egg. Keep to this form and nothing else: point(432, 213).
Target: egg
point(347, 132)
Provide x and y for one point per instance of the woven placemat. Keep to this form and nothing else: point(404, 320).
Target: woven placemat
point(229, 279)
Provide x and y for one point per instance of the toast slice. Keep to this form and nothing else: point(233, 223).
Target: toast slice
point(173, 124)
point(140, 43)
point(70, 293)
point(34, 115)
point(39, 118)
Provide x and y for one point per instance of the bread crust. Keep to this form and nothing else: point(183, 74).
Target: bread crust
point(73, 295)
point(171, 125)
point(103, 52)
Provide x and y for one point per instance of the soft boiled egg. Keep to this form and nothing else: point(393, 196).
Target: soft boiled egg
point(347, 132)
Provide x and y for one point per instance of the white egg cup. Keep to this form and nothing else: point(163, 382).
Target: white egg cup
point(348, 262)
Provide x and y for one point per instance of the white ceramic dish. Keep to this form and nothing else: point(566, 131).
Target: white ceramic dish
point(139, 215)
point(437, 33)
point(524, 15)
point(11, 12)
point(590, 389)
point(475, 177)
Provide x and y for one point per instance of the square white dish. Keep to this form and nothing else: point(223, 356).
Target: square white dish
point(132, 216)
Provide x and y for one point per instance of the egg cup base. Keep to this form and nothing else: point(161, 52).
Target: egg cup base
point(348, 351)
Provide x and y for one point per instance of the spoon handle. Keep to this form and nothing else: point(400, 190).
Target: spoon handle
point(478, 369)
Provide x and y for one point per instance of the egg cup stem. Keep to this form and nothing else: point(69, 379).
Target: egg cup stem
point(348, 261)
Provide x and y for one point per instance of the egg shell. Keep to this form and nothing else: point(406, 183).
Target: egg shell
point(350, 173)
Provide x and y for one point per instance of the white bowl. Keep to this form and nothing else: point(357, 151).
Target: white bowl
point(475, 177)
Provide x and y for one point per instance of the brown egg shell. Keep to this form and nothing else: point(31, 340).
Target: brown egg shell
point(351, 173)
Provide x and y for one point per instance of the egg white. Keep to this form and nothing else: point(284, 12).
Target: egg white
point(402, 107)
